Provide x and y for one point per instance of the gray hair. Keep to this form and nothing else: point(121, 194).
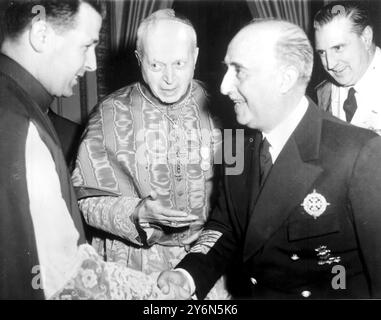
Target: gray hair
point(292, 46)
point(160, 15)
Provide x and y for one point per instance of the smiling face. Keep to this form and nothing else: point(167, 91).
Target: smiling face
point(72, 53)
point(168, 60)
point(251, 79)
point(345, 55)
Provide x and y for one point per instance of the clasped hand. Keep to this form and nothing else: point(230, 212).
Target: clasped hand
point(174, 284)
point(154, 212)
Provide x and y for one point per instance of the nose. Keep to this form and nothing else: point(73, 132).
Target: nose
point(330, 61)
point(168, 75)
point(227, 83)
point(91, 60)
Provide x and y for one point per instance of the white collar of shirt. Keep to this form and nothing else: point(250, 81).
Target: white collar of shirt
point(366, 93)
point(367, 78)
point(278, 137)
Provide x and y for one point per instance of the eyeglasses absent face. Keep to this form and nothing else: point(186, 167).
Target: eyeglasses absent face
point(168, 60)
point(72, 52)
point(345, 55)
point(250, 79)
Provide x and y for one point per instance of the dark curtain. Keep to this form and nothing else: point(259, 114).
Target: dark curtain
point(216, 22)
point(126, 17)
point(117, 65)
point(296, 11)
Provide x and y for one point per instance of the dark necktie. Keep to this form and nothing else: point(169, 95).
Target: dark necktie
point(350, 105)
point(265, 160)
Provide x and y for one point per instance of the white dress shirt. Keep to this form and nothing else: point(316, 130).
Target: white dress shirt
point(278, 136)
point(368, 97)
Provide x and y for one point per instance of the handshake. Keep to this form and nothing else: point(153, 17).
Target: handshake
point(175, 285)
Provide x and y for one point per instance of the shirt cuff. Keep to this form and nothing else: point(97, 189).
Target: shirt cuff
point(191, 284)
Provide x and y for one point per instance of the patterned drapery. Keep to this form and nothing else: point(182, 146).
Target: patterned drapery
point(103, 51)
point(296, 11)
point(126, 17)
point(117, 40)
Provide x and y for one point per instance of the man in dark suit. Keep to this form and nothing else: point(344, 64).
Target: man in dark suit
point(304, 216)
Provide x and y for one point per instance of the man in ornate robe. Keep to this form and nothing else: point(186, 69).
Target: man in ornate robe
point(145, 166)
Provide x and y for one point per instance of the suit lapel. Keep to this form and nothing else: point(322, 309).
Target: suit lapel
point(324, 92)
point(291, 177)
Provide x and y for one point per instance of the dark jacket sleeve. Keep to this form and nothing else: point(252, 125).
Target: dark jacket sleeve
point(215, 249)
point(365, 200)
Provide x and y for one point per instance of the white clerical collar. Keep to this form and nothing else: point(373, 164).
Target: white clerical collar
point(278, 136)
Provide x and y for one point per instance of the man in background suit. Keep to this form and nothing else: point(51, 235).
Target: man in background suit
point(307, 204)
point(344, 41)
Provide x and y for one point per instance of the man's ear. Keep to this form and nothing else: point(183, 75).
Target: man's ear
point(137, 55)
point(367, 36)
point(195, 55)
point(288, 79)
point(39, 35)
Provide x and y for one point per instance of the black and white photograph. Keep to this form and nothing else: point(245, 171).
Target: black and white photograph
point(199, 150)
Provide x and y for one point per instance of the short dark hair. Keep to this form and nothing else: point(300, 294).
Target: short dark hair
point(60, 13)
point(355, 11)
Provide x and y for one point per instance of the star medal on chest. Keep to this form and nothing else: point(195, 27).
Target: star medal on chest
point(315, 204)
